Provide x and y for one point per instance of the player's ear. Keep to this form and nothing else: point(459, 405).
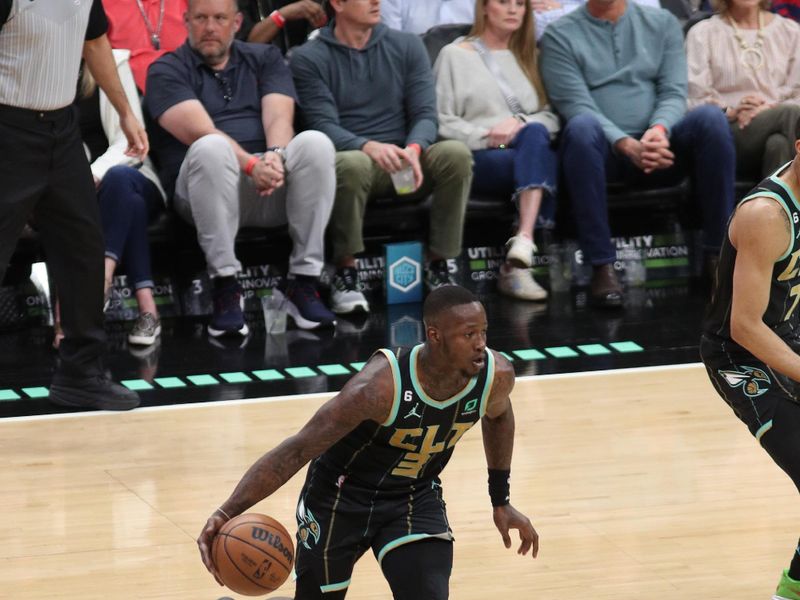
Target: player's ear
point(432, 333)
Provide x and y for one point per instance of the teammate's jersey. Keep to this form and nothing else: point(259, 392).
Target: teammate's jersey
point(415, 442)
point(782, 311)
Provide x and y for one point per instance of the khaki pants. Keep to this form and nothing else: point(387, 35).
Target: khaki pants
point(767, 142)
point(213, 195)
point(447, 173)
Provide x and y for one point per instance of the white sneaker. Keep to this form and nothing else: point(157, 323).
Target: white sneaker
point(519, 283)
point(345, 294)
point(520, 251)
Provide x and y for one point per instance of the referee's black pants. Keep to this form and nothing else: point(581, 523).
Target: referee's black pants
point(44, 172)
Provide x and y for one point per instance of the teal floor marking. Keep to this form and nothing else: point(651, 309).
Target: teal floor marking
point(137, 385)
point(170, 382)
point(36, 392)
point(561, 352)
point(301, 372)
point(334, 369)
point(594, 349)
point(626, 346)
point(269, 375)
point(529, 354)
point(202, 379)
point(237, 377)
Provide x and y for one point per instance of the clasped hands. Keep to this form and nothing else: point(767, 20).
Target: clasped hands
point(268, 173)
point(649, 153)
point(747, 109)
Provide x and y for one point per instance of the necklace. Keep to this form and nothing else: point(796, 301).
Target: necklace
point(155, 34)
point(751, 56)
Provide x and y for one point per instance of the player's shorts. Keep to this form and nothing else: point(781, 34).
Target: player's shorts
point(336, 525)
point(751, 388)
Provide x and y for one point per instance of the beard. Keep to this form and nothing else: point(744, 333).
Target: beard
point(213, 55)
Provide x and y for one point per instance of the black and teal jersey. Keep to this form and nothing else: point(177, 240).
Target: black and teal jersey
point(416, 440)
point(782, 311)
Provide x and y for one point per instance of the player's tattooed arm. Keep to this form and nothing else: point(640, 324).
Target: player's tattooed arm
point(367, 396)
point(497, 424)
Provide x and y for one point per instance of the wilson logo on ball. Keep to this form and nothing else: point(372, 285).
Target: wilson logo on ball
point(273, 540)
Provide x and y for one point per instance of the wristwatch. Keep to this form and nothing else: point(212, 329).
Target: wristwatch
point(279, 150)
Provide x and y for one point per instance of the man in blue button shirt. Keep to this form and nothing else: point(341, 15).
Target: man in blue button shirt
point(228, 152)
point(616, 71)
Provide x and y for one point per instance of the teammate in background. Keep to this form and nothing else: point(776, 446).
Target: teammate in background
point(750, 337)
point(376, 451)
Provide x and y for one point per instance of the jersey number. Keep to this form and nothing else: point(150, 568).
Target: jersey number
point(419, 452)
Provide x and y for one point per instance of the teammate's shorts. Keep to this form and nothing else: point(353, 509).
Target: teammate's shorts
point(751, 388)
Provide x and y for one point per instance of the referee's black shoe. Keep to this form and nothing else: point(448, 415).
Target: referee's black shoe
point(97, 392)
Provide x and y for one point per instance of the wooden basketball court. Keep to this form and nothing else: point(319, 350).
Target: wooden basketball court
point(641, 484)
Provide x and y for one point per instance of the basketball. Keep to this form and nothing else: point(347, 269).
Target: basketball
point(253, 554)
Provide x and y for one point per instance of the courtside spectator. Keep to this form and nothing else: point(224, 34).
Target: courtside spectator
point(616, 71)
point(370, 89)
point(490, 96)
point(285, 23)
point(231, 156)
point(746, 61)
point(129, 193)
point(415, 16)
point(148, 28)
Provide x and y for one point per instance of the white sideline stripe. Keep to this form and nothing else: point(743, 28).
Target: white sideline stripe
point(301, 397)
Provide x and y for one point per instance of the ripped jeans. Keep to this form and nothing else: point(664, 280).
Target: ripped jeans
point(530, 162)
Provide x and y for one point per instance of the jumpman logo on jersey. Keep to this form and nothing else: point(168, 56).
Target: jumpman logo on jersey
point(413, 412)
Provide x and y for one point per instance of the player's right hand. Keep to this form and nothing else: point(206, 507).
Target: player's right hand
point(206, 539)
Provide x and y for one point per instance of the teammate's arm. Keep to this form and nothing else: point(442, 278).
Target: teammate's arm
point(368, 395)
point(497, 426)
point(761, 233)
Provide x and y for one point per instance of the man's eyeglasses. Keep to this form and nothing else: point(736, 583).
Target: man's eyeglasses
point(224, 84)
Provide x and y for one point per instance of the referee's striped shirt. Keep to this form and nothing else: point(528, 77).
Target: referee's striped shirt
point(41, 42)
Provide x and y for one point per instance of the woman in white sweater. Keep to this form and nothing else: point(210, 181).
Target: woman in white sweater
point(129, 194)
point(746, 60)
point(490, 96)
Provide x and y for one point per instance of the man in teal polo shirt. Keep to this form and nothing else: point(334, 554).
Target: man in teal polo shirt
point(616, 71)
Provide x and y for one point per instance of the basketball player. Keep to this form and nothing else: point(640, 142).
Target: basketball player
point(376, 451)
point(751, 336)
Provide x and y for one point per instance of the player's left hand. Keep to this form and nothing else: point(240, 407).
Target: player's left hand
point(138, 144)
point(507, 517)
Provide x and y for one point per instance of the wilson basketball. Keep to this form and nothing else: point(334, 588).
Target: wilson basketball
point(253, 554)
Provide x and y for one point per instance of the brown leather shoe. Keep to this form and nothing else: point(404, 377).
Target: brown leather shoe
point(605, 290)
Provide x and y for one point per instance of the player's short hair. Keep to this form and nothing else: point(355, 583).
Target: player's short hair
point(444, 298)
point(797, 130)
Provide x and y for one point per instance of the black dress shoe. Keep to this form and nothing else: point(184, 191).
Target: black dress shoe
point(605, 290)
point(96, 392)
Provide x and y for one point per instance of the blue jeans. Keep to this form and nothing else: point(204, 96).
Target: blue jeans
point(703, 146)
point(128, 201)
point(530, 162)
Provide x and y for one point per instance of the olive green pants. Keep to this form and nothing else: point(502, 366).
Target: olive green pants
point(767, 142)
point(447, 174)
